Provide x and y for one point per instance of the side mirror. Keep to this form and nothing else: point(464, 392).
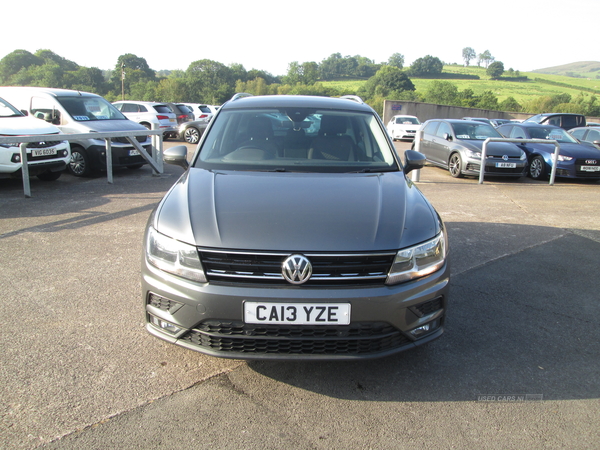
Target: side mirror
point(177, 156)
point(414, 160)
point(25, 112)
point(447, 136)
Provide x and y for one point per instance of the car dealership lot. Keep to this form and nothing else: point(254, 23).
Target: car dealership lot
point(78, 368)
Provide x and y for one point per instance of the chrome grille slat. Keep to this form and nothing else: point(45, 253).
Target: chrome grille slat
point(262, 267)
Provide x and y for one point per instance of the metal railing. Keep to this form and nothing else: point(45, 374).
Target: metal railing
point(155, 159)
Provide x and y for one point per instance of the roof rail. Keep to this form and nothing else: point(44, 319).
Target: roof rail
point(240, 95)
point(354, 98)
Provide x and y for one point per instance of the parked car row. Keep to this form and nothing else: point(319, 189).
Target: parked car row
point(75, 112)
point(456, 145)
point(176, 120)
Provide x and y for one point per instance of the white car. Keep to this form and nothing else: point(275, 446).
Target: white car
point(46, 159)
point(149, 113)
point(203, 112)
point(403, 127)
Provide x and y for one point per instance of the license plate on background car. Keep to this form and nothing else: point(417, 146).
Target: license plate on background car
point(506, 165)
point(297, 313)
point(43, 152)
point(133, 152)
point(590, 168)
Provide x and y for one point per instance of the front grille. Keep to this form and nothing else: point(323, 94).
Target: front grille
point(582, 173)
point(361, 338)
point(44, 144)
point(124, 140)
point(327, 269)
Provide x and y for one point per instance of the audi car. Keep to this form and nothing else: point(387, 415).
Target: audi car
point(295, 233)
point(575, 160)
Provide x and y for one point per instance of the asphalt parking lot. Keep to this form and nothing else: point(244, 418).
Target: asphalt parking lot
point(517, 367)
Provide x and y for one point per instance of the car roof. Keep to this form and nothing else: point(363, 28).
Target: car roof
point(460, 121)
point(139, 102)
point(53, 91)
point(296, 101)
point(531, 125)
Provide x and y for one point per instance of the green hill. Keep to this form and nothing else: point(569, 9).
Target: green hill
point(581, 69)
point(535, 85)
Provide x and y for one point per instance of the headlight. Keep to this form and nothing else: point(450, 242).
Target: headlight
point(523, 156)
point(174, 256)
point(418, 261)
point(564, 158)
point(472, 154)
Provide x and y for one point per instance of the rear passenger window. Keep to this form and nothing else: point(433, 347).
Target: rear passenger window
point(430, 128)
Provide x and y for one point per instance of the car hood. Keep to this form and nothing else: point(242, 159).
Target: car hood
point(296, 211)
point(103, 126)
point(566, 149)
point(494, 148)
point(24, 125)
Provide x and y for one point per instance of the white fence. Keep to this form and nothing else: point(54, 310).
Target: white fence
point(155, 159)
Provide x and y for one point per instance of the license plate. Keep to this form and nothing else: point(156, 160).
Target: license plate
point(506, 165)
point(43, 152)
point(297, 313)
point(133, 152)
point(590, 168)
point(172, 120)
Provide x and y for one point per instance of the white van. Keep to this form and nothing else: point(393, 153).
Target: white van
point(76, 112)
point(46, 159)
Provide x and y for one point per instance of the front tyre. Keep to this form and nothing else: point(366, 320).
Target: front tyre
point(537, 168)
point(80, 163)
point(455, 165)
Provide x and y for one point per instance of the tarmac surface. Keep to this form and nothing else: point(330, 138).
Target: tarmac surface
point(517, 367)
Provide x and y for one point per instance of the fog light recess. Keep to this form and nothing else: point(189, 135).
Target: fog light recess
point(164, 325)
point(425, 329)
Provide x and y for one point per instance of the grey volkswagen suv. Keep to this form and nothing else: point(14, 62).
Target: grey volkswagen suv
point(295, 234)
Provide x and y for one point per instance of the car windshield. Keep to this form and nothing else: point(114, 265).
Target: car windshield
point(472, 131)
point(297, 140)
point(551, 133)
point(84, 109)
point(8, 110)
point(407, 120)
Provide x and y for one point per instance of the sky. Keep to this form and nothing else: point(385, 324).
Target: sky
point(267, 35)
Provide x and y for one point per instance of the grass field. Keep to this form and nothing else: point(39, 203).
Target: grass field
point(522, 91)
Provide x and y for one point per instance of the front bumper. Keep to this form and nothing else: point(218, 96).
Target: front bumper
point(473, 167)
point(209, 318)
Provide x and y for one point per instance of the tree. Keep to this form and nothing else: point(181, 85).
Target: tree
point(16, 61)
point(510, 104)
point(136, 70)
point(396, 60)
point(442, 93)
point(209, 81)
point(487, 100)
point(486, 58)
point(468, 54)
point(495, 69)
point(388, 81)
point(428, 65)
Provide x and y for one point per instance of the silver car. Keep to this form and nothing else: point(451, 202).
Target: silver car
point(295, 234)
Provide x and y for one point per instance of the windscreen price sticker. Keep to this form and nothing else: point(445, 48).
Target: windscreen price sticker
point(297, 313)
